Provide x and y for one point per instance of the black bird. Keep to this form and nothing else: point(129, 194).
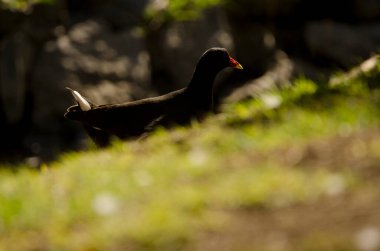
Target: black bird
point(133, 119)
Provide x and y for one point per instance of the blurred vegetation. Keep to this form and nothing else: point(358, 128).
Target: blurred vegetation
point(163, 11)
point(161, 193)
point(22, 5)
point(157, 11)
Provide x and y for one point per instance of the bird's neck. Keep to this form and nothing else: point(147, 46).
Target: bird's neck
point(201, 88)
point(203, 81)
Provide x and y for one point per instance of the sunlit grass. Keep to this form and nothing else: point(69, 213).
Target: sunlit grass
point(161, 192)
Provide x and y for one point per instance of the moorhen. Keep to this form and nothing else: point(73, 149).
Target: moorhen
point(133, 119)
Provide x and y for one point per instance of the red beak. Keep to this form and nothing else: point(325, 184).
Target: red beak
point(235, 64)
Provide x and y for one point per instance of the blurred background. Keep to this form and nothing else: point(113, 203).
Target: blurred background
point(120, 50)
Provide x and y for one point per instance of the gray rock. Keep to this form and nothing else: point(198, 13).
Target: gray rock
point(367, 70)
point(88, 58)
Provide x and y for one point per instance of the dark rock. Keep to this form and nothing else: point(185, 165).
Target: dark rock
point(255, 46)
point(175, 48)
point(9, 22)
point(346, 45)
point(119, 14)
point(16, 54)
point(367, 9)
point(259, 10)
point(40, 25)
point(279, 75)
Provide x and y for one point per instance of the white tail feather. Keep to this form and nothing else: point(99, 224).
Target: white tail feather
point(83, 104)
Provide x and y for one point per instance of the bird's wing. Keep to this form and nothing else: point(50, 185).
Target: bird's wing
point(127, 119)
point(122, 120)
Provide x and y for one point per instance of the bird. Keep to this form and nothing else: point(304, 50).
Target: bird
point(136, 118)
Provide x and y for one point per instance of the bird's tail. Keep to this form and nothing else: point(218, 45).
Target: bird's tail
point(76, 112)
point(82, 102)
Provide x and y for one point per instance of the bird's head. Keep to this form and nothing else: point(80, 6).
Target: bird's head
point(216, 59)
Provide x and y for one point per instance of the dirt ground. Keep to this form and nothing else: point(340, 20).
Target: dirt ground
point(340, 221)
point(328, 224)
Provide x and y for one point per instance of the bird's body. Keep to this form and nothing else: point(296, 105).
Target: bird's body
point(133, 119)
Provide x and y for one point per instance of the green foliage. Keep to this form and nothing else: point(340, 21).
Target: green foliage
point(162, 11)
point(22, 5)
point(159, 194)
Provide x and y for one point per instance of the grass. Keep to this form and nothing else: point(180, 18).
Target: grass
point(164, 193)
